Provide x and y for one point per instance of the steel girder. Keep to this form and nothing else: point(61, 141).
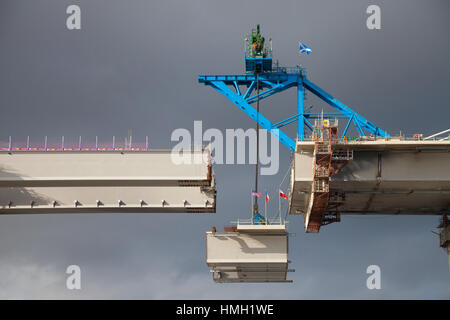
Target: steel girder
point(273, 83)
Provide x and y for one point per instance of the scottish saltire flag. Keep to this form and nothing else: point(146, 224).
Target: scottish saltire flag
point(304, 49)
point(256, 194)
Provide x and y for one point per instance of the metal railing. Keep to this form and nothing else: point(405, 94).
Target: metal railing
point(327, 122)
point(321, 185)
point(440, 136)
point(349, 139)
point(297, 69)
point(271, 221)
point(322, 172)
point(323, 148)
point(45, 144)
point(342, 155)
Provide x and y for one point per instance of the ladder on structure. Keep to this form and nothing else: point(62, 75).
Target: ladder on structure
point(328, 160)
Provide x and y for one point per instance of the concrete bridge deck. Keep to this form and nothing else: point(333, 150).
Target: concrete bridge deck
point(105, 181)
point(386, 176)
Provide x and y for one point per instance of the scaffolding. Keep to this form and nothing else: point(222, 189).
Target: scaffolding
point(327, 161)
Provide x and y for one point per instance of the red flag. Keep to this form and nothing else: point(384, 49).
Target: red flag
point(283, 195)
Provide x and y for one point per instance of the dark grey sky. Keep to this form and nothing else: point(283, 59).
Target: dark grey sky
point(134, 65)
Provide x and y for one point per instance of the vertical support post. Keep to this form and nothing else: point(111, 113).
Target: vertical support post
point(45, 143)
point(251, 202)
point(300, 121)
point(265, 207)
point(79, 143)
point(255, 205)
point(279, 205)
point(281, 219)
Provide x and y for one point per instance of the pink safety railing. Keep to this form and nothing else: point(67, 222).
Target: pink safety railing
point(80, 145)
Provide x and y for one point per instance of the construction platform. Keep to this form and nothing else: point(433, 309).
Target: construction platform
point(248, 253)
point(76, 181)
point(383, 175)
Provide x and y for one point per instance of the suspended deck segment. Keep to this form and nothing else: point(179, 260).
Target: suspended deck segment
point(249, 253)
point(105, 181)
point(385, 176)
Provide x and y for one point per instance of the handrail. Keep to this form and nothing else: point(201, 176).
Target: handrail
point(64, 145)
point(439, 134)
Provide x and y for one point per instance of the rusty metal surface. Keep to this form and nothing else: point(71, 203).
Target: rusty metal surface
point(327, 161)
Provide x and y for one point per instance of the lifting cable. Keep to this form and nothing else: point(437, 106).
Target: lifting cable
point(255, 205)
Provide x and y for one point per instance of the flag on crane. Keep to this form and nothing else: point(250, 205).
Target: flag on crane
point(256, 194)
point(304, 49)
point(283, 195)
point(267, 197)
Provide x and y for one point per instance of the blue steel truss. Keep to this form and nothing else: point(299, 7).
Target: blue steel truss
point(279, 80)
